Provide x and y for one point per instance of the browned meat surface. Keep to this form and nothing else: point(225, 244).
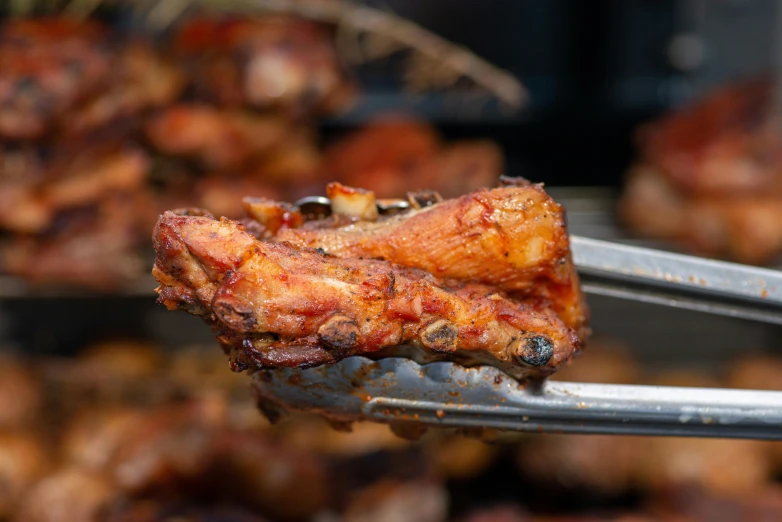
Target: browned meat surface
point(693, 505)
point(164, 450)
point(21, 394)
point(508, 513)
point(91, 248)
point(187, 455)
point(220, 139)
point(279, 306)
point(161, 511)
point(722, 466)
point(708, 177)
point(76, 177)
point(394, 155)
point(309, 432)
point(223, 195)
point(743, 227)
point(82, 207)
point(248, 468)
point(513, 238)
point(23, 460)
point(47, 67)
point(726, 142)
point(459, 457)
point(606, 464)
point(67, 495)
point(384, 156)
point(269, 62)
point(464, 166)
point(392, 500)
point(141, 80)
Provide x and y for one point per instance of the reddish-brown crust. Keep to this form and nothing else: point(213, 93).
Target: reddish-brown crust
point(513, 238)
point(276, 305)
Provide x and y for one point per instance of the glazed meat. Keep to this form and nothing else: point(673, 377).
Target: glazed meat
point(513, 238)
point(269, 62)
point(708, 177)
point(275, 305)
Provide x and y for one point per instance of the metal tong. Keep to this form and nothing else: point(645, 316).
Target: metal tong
point(445, 394)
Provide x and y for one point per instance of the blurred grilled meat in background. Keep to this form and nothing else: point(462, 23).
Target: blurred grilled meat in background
point(127, 431)
point(113, 410)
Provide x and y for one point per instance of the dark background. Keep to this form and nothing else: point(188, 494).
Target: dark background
point(595, 70)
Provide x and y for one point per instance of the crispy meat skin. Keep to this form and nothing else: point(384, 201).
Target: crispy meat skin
point(280, 306)
point(512, 237)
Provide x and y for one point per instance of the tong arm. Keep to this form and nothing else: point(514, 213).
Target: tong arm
point(449, 395)
point(670, 279)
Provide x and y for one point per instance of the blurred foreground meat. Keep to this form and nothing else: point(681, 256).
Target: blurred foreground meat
point(709, 176)
point(274, 304)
